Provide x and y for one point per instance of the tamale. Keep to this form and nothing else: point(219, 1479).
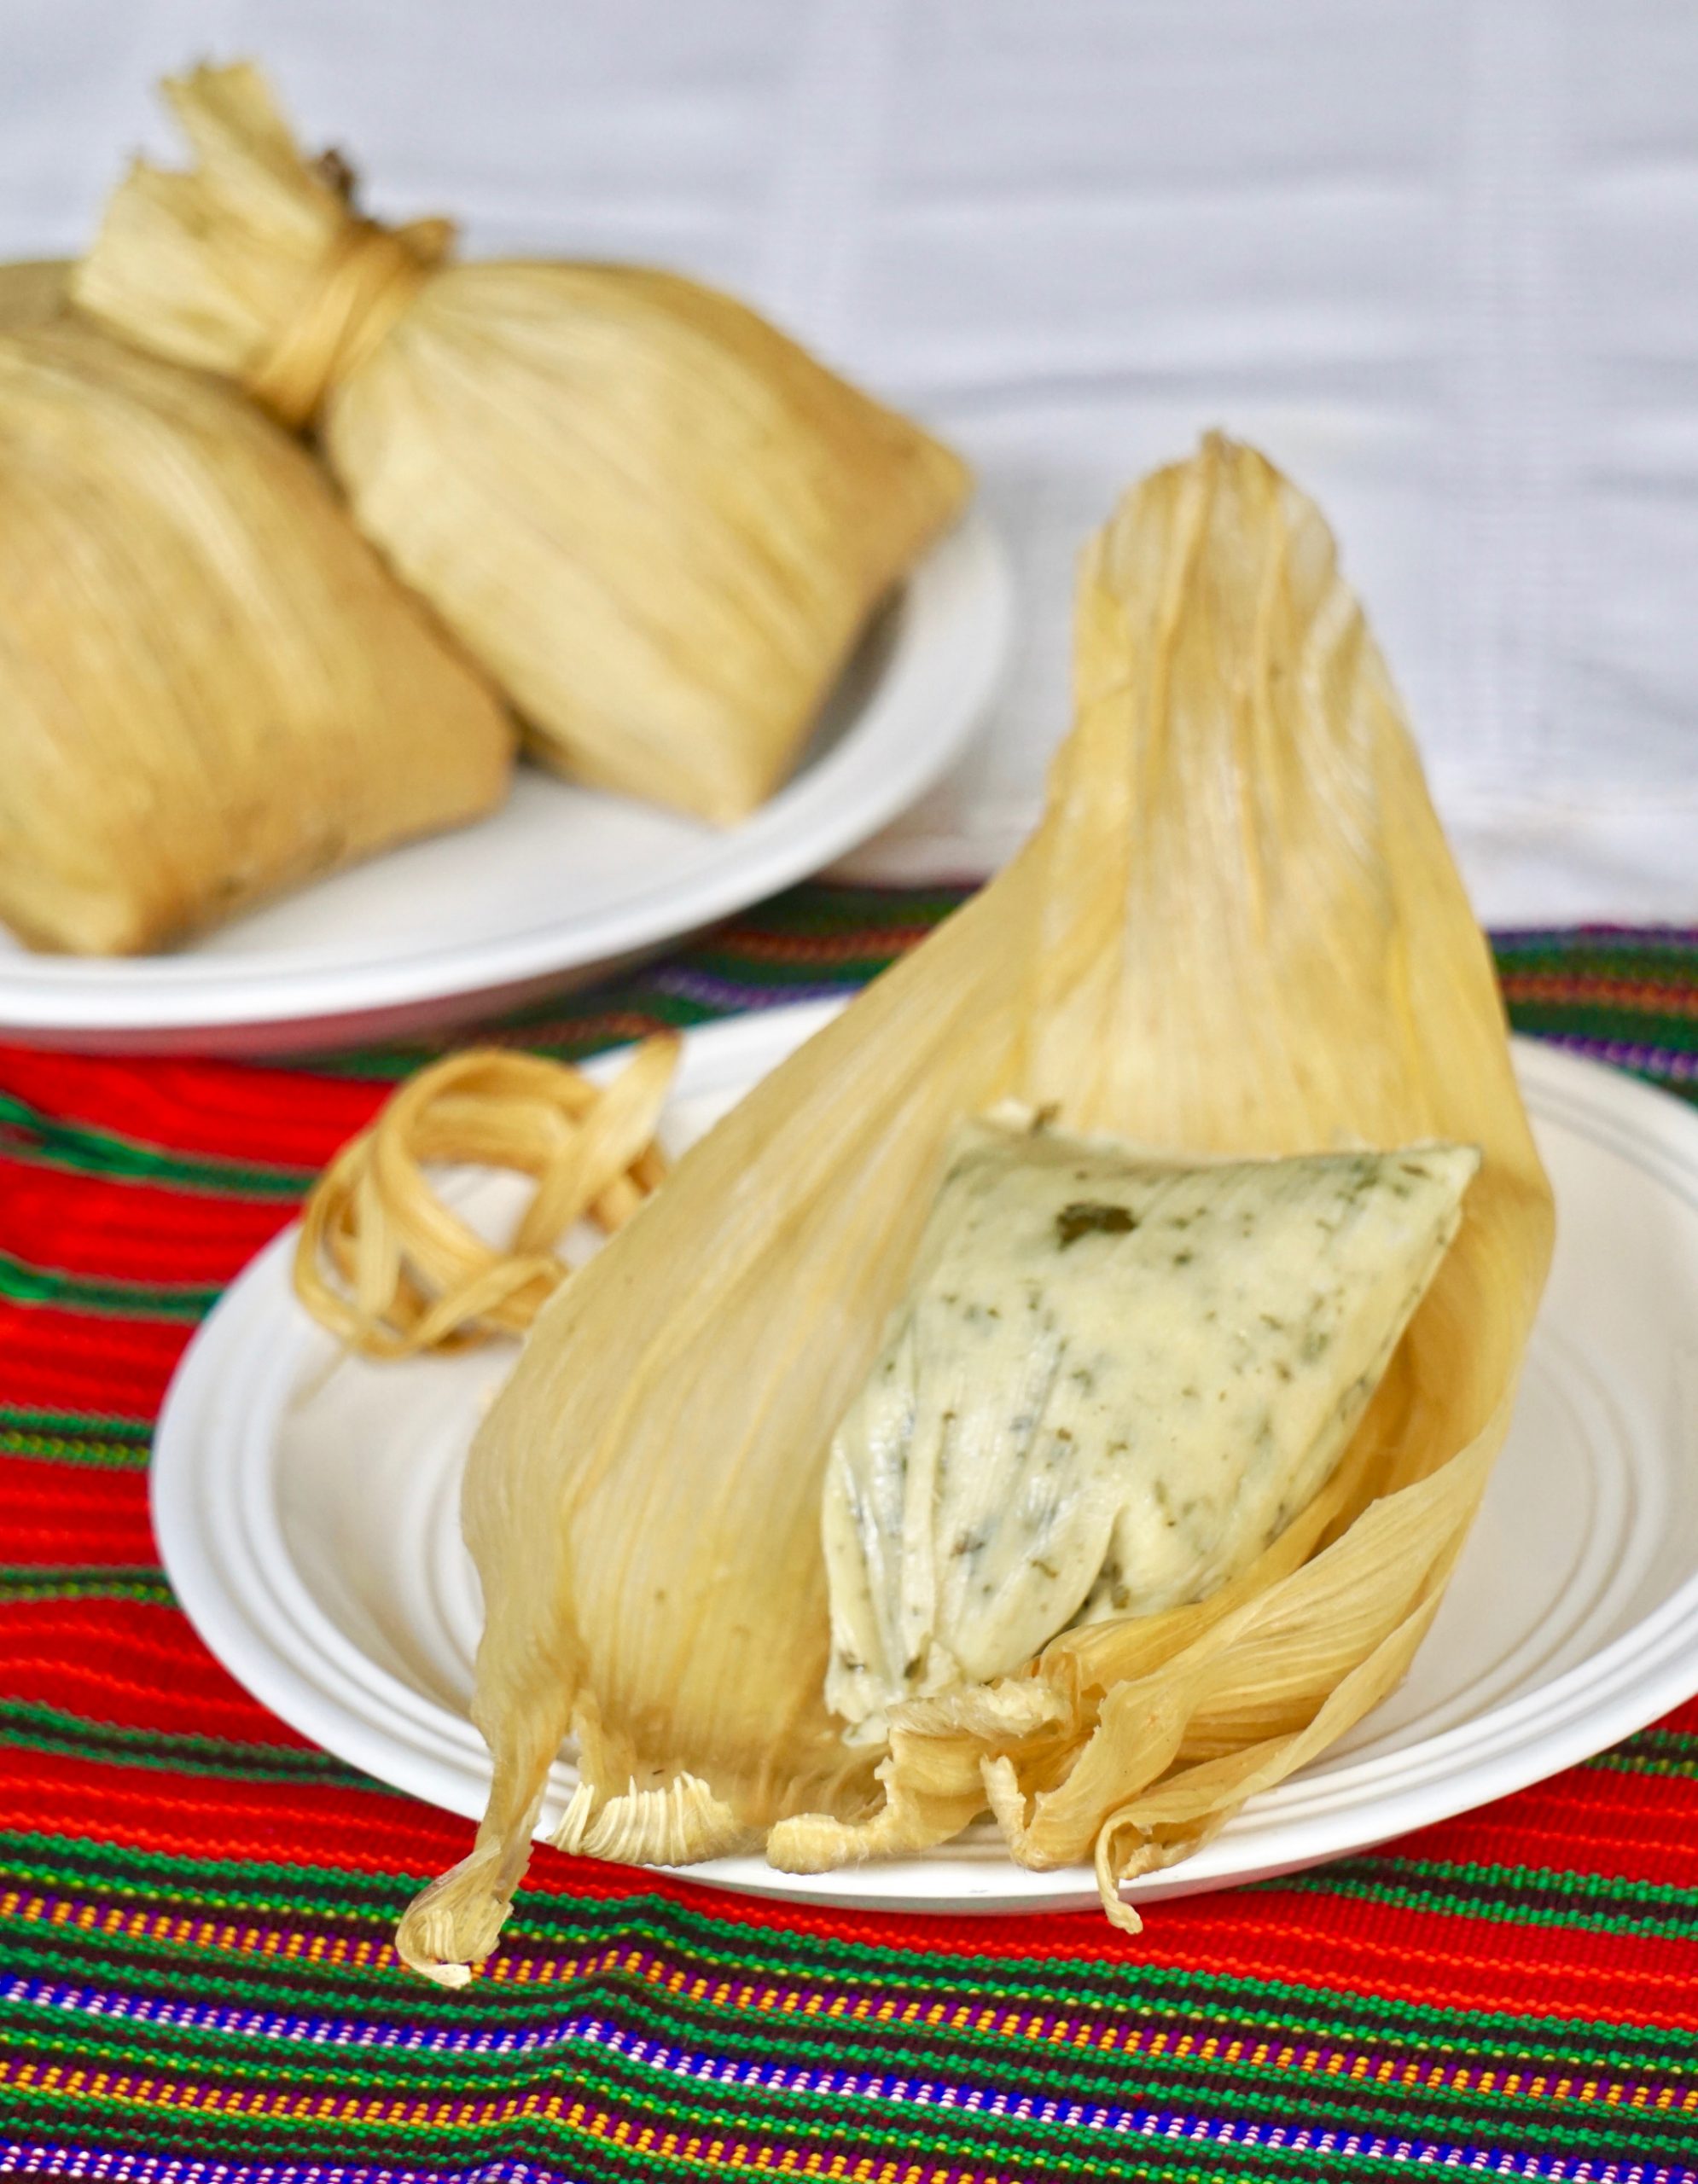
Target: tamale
point(1237, 932)
point(210, 688)
point(659, 522)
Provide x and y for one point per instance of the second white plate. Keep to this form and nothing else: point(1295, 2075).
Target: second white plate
point(562, 882)
point(306, 1509)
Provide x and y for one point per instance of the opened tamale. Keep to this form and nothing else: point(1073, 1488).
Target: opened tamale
point(658, 521)
point(210, 686)
point(1238, 933)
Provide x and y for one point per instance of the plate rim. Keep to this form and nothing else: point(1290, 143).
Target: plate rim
point(953, 627)
point(1617, 1688)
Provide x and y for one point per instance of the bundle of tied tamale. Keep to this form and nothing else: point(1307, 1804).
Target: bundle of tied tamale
point(1061, 1390)
point(657, 521)
point(210, 686)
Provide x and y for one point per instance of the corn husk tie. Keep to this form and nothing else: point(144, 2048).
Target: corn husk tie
point(1237, 930)
point(392, 1270)
point(657, 521)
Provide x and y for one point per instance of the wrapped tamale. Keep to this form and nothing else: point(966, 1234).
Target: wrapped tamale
point(658, 521)
point(210, 686)
point(1237, 935)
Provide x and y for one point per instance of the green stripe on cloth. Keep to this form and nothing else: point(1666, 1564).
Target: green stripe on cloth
point(1642, 1755)
point(1520, 1895)
point(96, 1582)
point(63, 1436)
point(52, 1729)
point(84, 1149)
point(22, 1283)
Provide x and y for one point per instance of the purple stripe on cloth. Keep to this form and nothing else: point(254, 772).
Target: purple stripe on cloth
point(708, 991)
point(1331, 2060)
point(1667, 1062)
point(21, 2157)
point(1637, 936)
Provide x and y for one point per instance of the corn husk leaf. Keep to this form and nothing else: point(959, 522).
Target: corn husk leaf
point(210, 686)
point(658, 521)
point(1237, 930)
point(33, 291)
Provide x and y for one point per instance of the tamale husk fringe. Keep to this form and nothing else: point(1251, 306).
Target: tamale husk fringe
point(390, 1269)
point(1237, 930)
point(660, 523)
point(210, 686)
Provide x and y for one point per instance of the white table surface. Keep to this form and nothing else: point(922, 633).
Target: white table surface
point(1439, 256)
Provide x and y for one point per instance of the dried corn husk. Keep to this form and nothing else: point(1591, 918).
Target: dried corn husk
point(32, 292)
point(210, 686)
point(390, 1269)
point(660, 523)
point(1237, 930)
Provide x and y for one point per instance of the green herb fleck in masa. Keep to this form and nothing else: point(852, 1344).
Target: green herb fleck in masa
point(1087, 1217)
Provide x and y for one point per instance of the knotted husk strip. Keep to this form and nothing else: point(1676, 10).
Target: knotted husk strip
point(659, 522)
point(391, 1270)
point(1237, 929)
point(211, 688)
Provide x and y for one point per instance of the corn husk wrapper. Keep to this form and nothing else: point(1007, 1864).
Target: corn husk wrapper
point(660, 523)
point(210, 686)
point(1237, 930)
point(33, 291)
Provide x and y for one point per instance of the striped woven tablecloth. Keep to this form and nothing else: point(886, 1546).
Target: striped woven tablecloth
point(197, 1982)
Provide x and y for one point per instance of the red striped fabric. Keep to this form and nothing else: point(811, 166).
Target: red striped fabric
point(195, 1976)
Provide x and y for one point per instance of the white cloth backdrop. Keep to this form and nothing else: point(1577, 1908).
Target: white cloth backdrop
point(1439, 256)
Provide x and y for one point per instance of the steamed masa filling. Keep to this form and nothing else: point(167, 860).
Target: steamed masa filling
point(1112, 1381)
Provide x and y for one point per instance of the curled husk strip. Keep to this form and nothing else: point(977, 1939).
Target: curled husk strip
point(390, 1269)
point(1237, 930)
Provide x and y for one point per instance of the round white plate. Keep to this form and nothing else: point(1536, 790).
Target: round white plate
point(306, 1511)
point(562, 882)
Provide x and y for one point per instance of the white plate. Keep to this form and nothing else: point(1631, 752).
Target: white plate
point(562, 882)
point(306, 1512)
